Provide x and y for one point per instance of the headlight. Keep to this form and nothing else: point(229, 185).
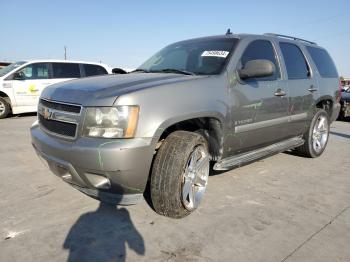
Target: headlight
point(111, 122)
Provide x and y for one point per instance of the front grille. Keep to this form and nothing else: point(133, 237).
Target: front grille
point(58, 127)
point(60, 106)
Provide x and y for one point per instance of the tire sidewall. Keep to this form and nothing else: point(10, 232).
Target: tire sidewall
point(167, 196)
point(312, 151)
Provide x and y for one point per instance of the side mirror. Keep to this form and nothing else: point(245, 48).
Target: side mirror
point(257, 68)
point(118, 71)
point(19, 76)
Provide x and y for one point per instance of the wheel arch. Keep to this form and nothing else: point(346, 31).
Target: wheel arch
point(326, 103)
point(210, 125)
point(6, 97)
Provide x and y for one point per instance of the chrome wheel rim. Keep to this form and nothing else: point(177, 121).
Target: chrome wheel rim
point(320, 134)
point(2, 107)
point(195, 178)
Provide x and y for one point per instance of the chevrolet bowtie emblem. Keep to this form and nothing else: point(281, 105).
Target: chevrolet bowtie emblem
point(47, 113)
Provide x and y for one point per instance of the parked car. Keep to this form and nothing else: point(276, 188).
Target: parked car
point(21, 83)
point(228, 99)
point(345, 88)
point(345, 104)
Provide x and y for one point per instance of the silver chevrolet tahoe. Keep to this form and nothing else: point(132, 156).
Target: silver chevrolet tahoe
point(208, 103)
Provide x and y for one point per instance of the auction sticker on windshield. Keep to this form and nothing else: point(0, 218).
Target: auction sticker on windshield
point(216, 53)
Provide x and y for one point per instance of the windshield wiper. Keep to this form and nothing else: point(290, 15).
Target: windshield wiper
point(176, 71)
point(141, 70)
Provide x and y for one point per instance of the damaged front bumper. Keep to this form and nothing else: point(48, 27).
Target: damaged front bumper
point(112, 170)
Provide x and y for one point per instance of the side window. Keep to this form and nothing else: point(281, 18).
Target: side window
point(295, 62)
point(93, 70)
point(65, 70)
point(261, 49)
point(35, 71)
point(323, 61)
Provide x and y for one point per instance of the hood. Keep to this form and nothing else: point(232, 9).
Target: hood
point(345, 96)
point(103, 90)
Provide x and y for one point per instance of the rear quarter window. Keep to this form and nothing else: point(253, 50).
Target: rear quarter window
point(94, 70)
point(323, 62)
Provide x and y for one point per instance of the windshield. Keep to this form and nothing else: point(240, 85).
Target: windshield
point(201, 56)
point(9, 68)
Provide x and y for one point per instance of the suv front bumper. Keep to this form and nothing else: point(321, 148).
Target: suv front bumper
point(121, 164)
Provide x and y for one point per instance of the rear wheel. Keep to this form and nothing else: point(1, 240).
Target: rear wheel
point(316, 137)
point(5, 108)
point(180, 174)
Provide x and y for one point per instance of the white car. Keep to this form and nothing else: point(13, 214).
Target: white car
point(21, 83)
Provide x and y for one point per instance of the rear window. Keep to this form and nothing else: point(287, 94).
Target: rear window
point(65, 70)
point(323, 61)
point(93, 70)
point(295, 62)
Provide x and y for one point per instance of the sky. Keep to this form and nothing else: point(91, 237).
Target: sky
point(125, 33)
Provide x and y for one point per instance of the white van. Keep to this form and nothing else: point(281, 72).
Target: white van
point(21, 83)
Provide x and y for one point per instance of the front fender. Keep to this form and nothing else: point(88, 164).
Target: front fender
point(172, 121)
point(163, 106)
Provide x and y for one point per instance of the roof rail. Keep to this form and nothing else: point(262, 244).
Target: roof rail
point(290, 37)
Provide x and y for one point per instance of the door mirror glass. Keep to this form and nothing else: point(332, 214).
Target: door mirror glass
point(256, 69)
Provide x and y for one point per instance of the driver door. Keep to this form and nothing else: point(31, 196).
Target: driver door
point(260, 105)
point(29, 82)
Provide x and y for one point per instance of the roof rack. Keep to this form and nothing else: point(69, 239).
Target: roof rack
point(291, 37)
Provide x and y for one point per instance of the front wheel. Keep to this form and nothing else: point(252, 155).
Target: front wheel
point(316, 137)
point(180, 174)
point(5, 108)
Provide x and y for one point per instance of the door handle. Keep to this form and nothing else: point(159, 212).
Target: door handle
point(280, 92)
point(312, 89)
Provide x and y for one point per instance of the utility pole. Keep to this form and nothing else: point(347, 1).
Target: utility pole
point(65, 53)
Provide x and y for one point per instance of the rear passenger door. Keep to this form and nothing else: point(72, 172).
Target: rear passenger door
point(301, 84)
point(259, 105)
point(65, 71)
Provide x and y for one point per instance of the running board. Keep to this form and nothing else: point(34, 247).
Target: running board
point(241, 159)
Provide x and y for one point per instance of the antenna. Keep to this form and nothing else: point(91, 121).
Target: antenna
point(228, 32)
point(65, 53)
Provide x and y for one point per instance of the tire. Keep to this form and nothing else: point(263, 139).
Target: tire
point(5, 108)
point(312, 148)
point(179, 174)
